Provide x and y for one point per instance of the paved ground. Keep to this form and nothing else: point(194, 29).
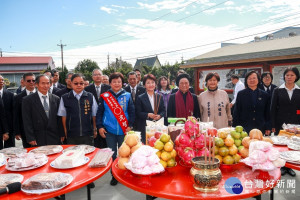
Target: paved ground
point(104, 191)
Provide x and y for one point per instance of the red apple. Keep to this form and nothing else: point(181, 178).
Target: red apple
point(152, 140)
point(157, 135)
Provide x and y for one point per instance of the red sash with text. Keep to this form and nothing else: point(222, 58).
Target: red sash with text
point(116, 109)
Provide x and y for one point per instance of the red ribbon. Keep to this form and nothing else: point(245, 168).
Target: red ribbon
point(116, 109)
point(298, 112)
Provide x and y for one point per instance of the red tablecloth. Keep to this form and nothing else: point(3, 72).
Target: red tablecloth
point(289, 165)
point(82, 175)
point(176, 183)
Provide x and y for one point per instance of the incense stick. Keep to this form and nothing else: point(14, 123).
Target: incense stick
point(209, 149)
point(205, 155)
point(213, 158)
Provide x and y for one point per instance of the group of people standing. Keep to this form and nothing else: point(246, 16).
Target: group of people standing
point(101, 114)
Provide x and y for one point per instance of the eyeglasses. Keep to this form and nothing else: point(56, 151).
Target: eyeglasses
point(97, 74)
point(78, 83)
point(28, 81)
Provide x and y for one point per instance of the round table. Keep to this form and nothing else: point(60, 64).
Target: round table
point(289, 165)
point(176, 183)
point(82, 175)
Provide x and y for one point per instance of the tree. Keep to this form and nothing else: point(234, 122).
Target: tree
point(115, 67)
point(86, 68)
point(62, 74)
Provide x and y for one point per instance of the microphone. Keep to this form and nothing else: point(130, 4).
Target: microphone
point(11, 188)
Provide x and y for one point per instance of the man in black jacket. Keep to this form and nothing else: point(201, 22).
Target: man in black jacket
point(55, 80)
point(29, 81)
point(97, 88)
point(132, 86)
point(39, 113)
point(67, 89)
point(7, 98)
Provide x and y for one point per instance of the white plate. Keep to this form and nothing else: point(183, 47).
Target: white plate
point(12, 151)
point(28, 168)
point(294, 146)
point(87, 148)
point(6, 179)
point(83, 162)
point(280, 140)
point(70, 179)
point(293, 156)
point(48, 150)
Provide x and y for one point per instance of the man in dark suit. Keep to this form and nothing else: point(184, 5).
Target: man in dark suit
point(66, 89)
point(132, 86)
point(29, 81)
point(97, 89)
point(55, 80)
point(7, 98)
point(21, 87)
point(3, 125)
point(39, 113)
point(52, 89)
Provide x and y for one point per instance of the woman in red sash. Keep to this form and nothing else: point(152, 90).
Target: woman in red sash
point(149, 106)
point(115, 115)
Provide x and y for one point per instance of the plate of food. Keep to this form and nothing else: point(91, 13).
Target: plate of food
point(87, 148)
point(48, 150)
point(70, 159)
point(2, 159)
point(26, 161)
point(291, 156)
point(46, 183)
point(12, 151)
point(280, 140)
point(6, 179)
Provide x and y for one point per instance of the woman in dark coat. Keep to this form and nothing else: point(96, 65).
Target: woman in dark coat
point(149, 106)
point(266, 83)
point(252, 107)
point(183, 103)
point(285, 105)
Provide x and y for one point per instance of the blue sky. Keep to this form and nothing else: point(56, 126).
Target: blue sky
point(131, 29)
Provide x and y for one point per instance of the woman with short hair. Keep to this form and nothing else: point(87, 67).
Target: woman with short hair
point(214, 103)
point(252, 106)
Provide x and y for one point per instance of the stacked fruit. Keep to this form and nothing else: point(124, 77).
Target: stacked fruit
point(227, 145)
point(131, 144)
point(165, 147)
point(190, 142)
point(254, 135)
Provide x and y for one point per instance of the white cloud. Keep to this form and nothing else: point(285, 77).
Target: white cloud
point(229, 3)
point(108, 10)
point(167, 5)
point(79, 23)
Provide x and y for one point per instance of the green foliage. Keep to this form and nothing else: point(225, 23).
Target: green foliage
point(115, 67)
point(62, 75)
point(86, 68)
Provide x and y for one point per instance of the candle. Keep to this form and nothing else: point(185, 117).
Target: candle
point(209, 149)
point(205, 155)
point(213, 149)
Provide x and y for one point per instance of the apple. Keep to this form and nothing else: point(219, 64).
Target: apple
point(157, 135)
point(152, 140)
point(236, 135)
point(239, 129)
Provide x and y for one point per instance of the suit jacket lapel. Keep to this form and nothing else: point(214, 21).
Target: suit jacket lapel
point(40, 107)
point(295, 93)
point(147, 101)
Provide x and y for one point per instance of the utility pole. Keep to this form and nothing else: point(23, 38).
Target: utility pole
point(62, 54)
point(108, 60)
point(0, 52)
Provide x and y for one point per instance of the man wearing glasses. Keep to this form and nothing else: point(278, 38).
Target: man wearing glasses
point(78, 110)
point(29, 82)
point(97, 89)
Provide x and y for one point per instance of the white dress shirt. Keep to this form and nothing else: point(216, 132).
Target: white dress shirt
point(42, 99)
point(290, 92)
point(28, 92)
point(151, 99)
point(238, 87)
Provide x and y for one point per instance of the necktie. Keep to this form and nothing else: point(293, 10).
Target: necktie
point(268, 89)
point(0, 95)
point(98, 91)
point(54, 85)
point(46, 106)
point(133, 94)
point(50, 90)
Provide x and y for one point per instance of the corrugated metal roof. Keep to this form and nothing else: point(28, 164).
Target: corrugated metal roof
point(25, 60)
